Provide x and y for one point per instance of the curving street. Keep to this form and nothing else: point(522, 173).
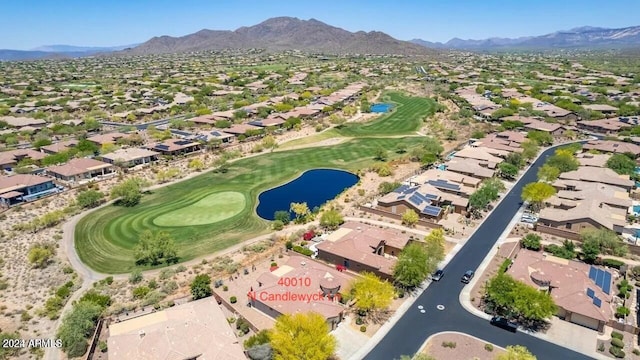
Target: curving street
point(413, 328)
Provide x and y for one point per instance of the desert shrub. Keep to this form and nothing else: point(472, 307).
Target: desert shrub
point(363, 328)
point(233, 299)
point(303, 250)
point(140, 292)
point(136, 276)
point(636, 352)
point(616, 264)
point(617, 352)
point(449, 344)
point(488, 347)
point(617, 343)
point(617, 335)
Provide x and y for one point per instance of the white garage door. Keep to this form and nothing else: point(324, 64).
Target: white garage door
point(585, 321)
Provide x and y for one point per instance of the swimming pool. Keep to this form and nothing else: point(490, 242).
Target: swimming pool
point(441, 167)
point(636, 209)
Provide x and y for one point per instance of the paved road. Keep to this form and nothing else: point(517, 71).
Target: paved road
point(414, 327)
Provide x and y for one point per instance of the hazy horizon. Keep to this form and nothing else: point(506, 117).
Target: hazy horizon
point(119, 22)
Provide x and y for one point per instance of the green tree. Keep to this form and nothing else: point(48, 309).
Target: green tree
point(502, 112)
point(386, 187)
point(410, 217)
point(201, 287)
point(129, 192)
point(283, 216)
point(563, 160)
point(537, 192)
point(331, 219)
point(89, 198)
point(371, 293)
point(77, 326)
point(269, 142)
point(532, 242)
point(380, 154)
point(622, 164)
point(433, 146)
point(608, 242)
point(548, 173)
point(196, 163)
point(302, 336)
point(9, 352)
point(154, 247)
point(541, 138)
point(434, 244)
point(590, 250)
point(302, 212)
point(529, 149)
point(516, 352)
point(509, 296)
point(40, 255)
point(507, 170)
point(413, 266)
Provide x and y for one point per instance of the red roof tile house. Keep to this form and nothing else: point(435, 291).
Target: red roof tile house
point(80, 169)
point(360, 247)
point(582, 293)
point(301, 285)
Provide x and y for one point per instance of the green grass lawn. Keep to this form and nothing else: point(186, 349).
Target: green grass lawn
point(208, 210)
point(105, 238)
point(405, 119)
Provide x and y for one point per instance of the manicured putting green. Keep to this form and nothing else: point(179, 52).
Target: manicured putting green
point(208, 210)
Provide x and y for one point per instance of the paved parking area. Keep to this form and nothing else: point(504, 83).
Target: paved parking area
point(573, 336)
point(349, 340)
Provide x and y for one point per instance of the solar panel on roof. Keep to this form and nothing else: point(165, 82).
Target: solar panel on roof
point(415, 199)
point(600, 278)
point(590, 293)
point(597, 302)
point(592, 273)
point(162, 147)
point(183, 142)
point(431, 210)
point(401, 197)
point(431, 196)
point(401, 189)
point(606, 285)
point(444, 184)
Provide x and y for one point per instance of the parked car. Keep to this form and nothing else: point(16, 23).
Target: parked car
point(503, 323)
point(437, 275)
point(468, 275)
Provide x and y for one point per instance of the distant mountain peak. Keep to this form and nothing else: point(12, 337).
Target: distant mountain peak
point(283, 33)
point(580, 37)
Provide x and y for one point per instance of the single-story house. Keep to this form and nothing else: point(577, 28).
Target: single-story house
point(109, 138)
point(361, 247)
point(193, 330)
point(9, 159)
point(206, 136)
point(24, 187)
point(583, 293)
point(471, 167)
point(130, 157)
point(59, 147)
point(614, 147)
point(241, 129)
point(603, 126)
point(80, 169)
point(603, 108)
point(176, 147)
point(320, 284)
point(598, 175)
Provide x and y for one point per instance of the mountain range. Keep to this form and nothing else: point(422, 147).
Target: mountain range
point(283, 33)
point(58, 52)
point(582, 37)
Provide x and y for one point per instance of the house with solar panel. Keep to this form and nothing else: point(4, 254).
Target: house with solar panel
point(427, 200)
point(173, 147)
point(583, 293)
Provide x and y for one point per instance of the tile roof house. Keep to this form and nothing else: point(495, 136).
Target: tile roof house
point(59, 147)
point(580, 205)
point(360, 247)
point(604, 126)
point(476, 168)
point(596, 160)
point(580, 299)
point(130, 157)
point(175, 147)
point(603, 175)
point(615, 147)
point(479, 153)
point(24, 187)
point(316, 288)
point(427, 200)
point(195, 330)
point(9, 159)
point(109, 138)
point(80, 169)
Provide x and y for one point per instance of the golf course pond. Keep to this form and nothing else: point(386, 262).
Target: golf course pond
point(315, 187)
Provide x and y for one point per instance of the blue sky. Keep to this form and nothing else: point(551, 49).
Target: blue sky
point(30, 23)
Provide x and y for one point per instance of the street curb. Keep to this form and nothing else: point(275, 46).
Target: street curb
point(457, 333)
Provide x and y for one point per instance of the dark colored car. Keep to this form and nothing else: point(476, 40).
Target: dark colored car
point(468, 276)
point(437, 275)
point(504, 323)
